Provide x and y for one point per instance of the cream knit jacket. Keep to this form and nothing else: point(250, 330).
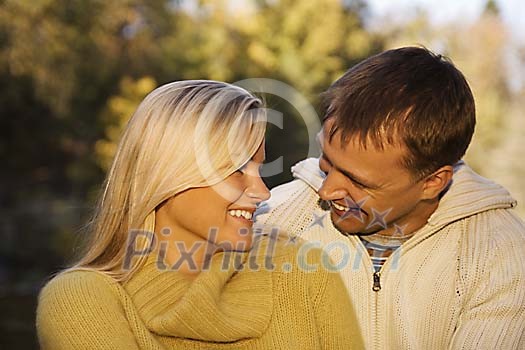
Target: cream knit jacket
point(458, 283)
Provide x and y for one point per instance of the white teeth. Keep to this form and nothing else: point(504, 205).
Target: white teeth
point(238, 213)
point(340, 207)
point(343, 208)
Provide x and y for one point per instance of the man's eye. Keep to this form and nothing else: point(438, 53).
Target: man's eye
point(358, 184)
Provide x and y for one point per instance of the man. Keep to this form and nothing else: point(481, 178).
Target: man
point(432, 254)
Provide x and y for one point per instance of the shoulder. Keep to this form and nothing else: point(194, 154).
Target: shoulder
point(312, 270)
point(85, 309)
point(82, 309)
point(290, 207)
point(291, 204)
point(288, 192)
point(494, 229)
point(78, 283)
point(79, 292)
point(492, 244)
point(296, 258)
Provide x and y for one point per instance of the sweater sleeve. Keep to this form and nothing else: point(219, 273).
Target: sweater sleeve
point(81, 310)
point(493, 316)
point(334, 313)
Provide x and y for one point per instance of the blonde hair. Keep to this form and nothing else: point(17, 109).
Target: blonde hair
point(184, 134)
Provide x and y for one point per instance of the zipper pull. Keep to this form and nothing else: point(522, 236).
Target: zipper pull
point(377, 283)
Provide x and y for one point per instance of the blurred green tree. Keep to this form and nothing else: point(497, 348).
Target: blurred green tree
point(72, 72)
point(283, 40)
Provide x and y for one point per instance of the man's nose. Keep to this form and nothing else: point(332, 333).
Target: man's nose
point(331, 189)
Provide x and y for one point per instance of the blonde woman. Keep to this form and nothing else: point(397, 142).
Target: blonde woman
point(169, 261)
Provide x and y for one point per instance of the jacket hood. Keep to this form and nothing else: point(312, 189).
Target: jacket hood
point(467, 195)
point(308, 170)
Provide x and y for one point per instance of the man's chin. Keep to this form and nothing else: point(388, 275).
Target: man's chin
point(351, 227)
point(348, 226)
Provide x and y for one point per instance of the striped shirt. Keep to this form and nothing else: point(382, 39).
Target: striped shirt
point(379, 252)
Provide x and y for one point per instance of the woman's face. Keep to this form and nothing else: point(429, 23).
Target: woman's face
point(220, 214)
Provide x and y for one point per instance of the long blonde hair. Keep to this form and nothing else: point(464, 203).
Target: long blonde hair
point(184, 134)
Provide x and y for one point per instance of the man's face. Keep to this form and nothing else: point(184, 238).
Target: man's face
point(369, 190)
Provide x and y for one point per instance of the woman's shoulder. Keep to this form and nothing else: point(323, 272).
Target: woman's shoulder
point(77, 290)
point(291, 253)
point(78, 281)
point(84, 309)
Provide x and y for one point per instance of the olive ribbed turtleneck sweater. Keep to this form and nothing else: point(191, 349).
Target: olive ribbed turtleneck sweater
point(219, 309)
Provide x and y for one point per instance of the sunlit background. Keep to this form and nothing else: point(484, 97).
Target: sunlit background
point(72, 72)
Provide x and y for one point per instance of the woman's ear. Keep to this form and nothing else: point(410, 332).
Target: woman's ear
point(436, 182)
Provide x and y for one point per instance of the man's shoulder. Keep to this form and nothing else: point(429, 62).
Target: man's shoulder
point(490, 237)
point(499, 224)
point(289, 202)
point(290, 191)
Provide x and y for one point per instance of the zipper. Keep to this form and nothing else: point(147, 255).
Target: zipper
point(376, 287)
point(377, 282)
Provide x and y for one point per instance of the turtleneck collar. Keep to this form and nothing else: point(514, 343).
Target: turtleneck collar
point(220, 304)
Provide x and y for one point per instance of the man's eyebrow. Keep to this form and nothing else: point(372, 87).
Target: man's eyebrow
point(350, 175)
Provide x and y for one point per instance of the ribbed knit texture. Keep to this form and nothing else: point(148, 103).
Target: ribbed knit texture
point(219, 309)
point(458, 283)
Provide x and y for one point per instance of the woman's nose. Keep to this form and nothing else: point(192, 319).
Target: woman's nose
point(258, 189)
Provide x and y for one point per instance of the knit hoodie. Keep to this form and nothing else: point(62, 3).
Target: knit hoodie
point(458, 283)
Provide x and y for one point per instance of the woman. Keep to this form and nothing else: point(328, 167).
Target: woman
point(171, 263)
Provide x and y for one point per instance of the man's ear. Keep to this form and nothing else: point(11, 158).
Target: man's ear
point(436, 182)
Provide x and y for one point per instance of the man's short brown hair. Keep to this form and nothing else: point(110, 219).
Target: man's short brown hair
point(408, 96)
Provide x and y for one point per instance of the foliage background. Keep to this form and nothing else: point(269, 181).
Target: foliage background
point(72, 72)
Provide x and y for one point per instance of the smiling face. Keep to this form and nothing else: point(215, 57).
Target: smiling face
point(220, 214)
point(370, 191)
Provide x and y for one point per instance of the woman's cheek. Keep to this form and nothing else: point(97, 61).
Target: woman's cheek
point(230, 190)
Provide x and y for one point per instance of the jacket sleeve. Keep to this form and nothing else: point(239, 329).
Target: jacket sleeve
point(493, 315)
point(79, 311)
point(334, 313)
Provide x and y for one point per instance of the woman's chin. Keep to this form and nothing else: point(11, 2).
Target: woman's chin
point(237, 244)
